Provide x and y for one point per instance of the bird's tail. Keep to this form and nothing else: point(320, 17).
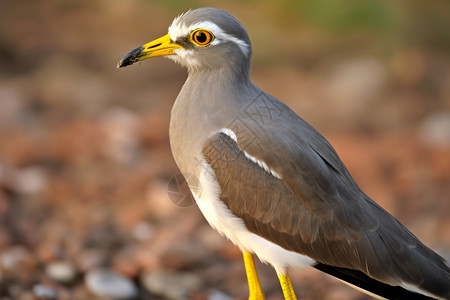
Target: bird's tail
point(361, 280)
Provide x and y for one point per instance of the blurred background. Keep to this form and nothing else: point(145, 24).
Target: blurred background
point(85, 160)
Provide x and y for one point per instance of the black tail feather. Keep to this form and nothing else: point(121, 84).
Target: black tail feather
point(371, 285)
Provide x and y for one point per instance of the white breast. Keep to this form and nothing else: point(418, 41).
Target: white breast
point(225, 222)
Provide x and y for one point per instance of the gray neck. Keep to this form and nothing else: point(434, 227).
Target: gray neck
point(210, 91)
point(208, 102)
point(229, 74)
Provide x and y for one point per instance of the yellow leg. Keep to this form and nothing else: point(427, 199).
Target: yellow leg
point(286, 285)
point(256, 292)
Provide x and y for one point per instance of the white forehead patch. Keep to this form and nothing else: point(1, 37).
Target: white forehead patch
point(178, 29)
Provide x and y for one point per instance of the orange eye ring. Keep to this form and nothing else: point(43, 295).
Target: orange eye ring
point(202, 37)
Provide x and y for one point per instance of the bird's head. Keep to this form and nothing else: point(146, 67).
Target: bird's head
point(201, 39)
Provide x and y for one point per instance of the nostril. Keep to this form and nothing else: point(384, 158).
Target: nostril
point(150, 47)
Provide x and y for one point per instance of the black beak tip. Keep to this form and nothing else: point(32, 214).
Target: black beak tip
point(130, 58)
point(123, 63)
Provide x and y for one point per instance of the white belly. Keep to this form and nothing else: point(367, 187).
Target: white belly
point(226, 223)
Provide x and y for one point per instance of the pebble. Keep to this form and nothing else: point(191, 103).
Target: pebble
point(435, 130)
point(218, 295)
point(31, 180)
point(12, 258)
point(143, 231)
point(61, 271)
point(44, 291)
point(175, 286)
point(107, 283)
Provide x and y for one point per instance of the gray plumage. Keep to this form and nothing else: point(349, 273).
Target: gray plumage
point(314, 208)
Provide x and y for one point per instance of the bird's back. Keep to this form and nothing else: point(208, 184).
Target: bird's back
point(344, 227)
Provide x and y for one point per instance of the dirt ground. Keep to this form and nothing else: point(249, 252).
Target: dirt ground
point(85, 161)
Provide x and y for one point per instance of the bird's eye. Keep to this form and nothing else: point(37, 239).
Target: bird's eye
point(202, 37)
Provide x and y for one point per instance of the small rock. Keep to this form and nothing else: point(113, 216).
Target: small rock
point(143, 231)
point(61, 271)
point(44, 291)
point(170, 285)
point(12, 258)
point(108, 283)
point(30, 180)
point(435, 130)
point(218, 295)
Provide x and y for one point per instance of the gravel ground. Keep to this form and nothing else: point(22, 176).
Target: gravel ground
point(86, 168)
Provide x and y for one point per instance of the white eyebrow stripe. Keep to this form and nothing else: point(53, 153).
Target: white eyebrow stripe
point(177, 30)
point(221, 35)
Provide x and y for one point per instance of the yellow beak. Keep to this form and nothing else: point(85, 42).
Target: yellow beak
point(159, 47)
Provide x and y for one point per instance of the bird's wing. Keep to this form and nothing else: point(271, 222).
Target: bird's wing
point(290, 187)
point(302, 219)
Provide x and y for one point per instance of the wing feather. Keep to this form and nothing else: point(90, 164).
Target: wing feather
point(316, 209)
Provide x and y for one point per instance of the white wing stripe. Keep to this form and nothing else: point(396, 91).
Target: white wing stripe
point(260, 163)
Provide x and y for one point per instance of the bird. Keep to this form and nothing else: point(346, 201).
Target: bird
point(272, 184)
